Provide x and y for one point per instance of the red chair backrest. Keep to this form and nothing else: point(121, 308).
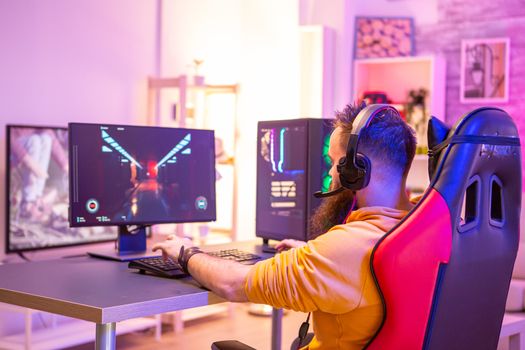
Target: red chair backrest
point(444, 275)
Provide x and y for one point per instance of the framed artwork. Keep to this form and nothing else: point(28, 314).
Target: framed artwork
point(383, 37)
point(484, 70)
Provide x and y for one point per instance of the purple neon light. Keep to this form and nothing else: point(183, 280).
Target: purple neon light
point(272, 140)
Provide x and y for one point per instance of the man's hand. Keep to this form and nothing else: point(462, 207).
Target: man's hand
point(171, 246)
point(286, 244)
point(225, 278)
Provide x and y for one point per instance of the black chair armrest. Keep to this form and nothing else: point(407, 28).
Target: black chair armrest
point(230, 345)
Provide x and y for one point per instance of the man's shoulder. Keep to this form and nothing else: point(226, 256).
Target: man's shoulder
point(351, 232)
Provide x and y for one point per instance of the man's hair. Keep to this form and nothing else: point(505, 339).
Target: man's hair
point(388, 138)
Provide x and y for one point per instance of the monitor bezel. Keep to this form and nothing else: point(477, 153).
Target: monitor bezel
point(7, 249)
point(142, 223)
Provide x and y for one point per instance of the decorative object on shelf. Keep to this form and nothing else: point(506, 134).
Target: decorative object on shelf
point(484, 70)
point(198, 79)
point(417, 117)
point(371, 97)
point(383, 37)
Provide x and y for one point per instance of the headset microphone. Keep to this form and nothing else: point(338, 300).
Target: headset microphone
point(320, 194)
point(354, 168)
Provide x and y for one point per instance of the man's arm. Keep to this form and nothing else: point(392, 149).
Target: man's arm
point(226, 278)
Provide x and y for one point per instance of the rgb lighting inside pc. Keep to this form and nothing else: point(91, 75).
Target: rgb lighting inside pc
point(292, 164)
point(287, 167)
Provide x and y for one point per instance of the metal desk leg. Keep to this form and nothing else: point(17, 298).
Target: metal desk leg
point(106, 337)
point(516, 342)
point(277, 324)
point(29, 329)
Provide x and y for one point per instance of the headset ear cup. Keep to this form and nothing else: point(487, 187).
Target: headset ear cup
point(362, 162)
point(365, 168)
point(341, 164)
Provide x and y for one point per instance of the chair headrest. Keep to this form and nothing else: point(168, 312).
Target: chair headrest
point(437, 132)
point(484, 142)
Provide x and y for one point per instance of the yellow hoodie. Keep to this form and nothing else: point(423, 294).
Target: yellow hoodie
point(331, 278)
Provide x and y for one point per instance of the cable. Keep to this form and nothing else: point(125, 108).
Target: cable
point(21, 255)
point(303, 331)
point(354, 201)
point(44, 323)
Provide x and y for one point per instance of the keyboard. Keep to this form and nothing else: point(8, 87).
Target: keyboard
point(171, 268)
point(158, 266)
point(236, 255)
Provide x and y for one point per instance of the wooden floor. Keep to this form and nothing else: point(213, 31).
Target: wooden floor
point(199, 334)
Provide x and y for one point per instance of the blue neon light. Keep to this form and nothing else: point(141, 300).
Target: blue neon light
point(120, 149)
point(282, 150)
point(182, 143)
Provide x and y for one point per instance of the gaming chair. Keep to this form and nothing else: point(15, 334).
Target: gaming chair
point(444, 271)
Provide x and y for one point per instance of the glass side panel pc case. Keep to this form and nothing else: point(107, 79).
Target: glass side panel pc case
point(37, 192)
point(292, 164)
point(137, 175)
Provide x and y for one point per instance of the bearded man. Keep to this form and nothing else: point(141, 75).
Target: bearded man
point(329, 275)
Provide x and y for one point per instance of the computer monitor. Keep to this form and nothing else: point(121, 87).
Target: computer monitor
point(123, 175)
point(292, 164)
point(37, 192)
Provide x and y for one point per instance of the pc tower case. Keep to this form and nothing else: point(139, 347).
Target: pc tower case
point(292, 164)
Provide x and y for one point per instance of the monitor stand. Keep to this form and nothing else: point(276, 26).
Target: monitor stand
point(131, 245)
point(267, 248)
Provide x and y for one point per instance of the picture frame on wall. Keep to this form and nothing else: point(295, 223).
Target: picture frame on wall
point(376, 37)
point(485, 70)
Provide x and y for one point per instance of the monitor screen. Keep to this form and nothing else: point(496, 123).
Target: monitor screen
point(282, 179)
point(37, 192)
point(138, 175)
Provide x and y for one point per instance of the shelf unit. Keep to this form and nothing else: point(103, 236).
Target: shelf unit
point(191, 102)
point(58, 336)
point(184, 102)
point(396, 76)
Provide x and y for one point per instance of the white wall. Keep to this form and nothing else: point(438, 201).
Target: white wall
point(62, 61)
point(249, 42)
point(423, 12)
point(335, 14)
point(84, 60)
point(202, 29)
point(269, 78)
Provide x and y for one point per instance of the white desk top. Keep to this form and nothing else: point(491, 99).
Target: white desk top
point(100, 291)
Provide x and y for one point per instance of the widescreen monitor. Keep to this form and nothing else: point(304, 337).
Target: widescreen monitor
point(37, 192)
point(137, 175)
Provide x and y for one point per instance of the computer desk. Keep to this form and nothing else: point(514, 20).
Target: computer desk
point(106, 292)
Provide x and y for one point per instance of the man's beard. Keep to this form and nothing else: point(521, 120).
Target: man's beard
point(332, 211)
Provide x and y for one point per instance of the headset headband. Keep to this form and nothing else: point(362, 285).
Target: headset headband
point(363, 119)
point(354, 169)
